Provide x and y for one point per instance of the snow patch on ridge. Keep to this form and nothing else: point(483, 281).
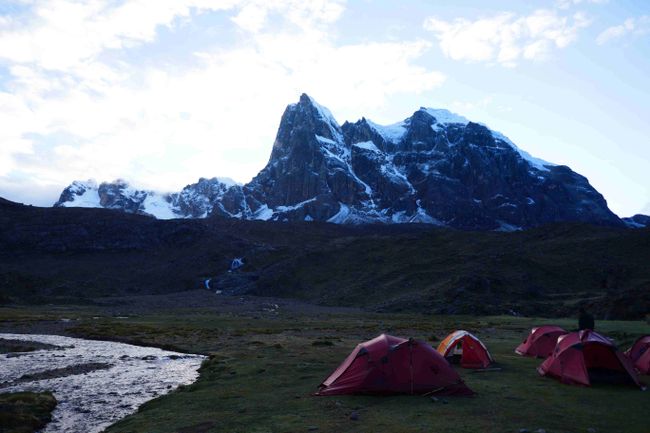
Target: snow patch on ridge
point(444, 117)
point(264, 213)
point(228, 182)
point(391, 133)
point(158, 207)
point(85, 194)
point(367, 145)
point(295, 206)
point(538, 163)
point(326, 115)
point(341, 216)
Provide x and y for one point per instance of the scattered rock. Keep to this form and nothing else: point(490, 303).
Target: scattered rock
point(591, 430)
point(312, 428)
point(354, 416)
point(540, 430)
point(524, 430)
point(59, 372)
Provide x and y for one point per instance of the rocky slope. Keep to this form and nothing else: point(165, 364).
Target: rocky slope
point(434, 167)
point(73, 255)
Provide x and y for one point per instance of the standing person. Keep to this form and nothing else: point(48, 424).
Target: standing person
point(585, 320)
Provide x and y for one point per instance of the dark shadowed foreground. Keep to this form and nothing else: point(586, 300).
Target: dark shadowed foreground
point(79, 255)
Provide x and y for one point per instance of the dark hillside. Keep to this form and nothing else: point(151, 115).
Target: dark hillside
point(75, 255)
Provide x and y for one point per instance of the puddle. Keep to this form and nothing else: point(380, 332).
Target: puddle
point(89, 400)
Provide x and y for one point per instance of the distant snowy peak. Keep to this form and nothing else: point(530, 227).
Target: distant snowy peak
point(80, 194)
point(194, 201)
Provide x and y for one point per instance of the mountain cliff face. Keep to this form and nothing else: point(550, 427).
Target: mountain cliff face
point(434, 167)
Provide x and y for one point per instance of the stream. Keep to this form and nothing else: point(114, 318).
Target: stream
point(96, 383)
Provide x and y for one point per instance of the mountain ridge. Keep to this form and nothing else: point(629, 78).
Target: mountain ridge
point(434, 167)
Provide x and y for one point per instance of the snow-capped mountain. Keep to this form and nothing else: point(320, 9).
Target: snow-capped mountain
point(193, 201)
point(434, 167)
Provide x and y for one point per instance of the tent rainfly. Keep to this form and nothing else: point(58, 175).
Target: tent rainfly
point(639, 354)
point(393, 365)
point(541, 341)
point(583, 357)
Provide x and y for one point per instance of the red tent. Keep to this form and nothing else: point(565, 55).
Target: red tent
point(541, 341)
point(471, 352)
point(392, 365)
point(639, 353)
point(583, 356)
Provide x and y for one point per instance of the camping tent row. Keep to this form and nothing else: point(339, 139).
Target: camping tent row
point(581, 357)
point(393, 365)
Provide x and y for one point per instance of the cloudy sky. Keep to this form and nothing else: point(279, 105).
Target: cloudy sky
point(162, 92)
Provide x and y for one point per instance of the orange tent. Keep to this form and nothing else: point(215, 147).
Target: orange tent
point(461, 346)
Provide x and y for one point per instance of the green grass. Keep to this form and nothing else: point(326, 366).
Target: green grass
point(25, 412)
point(262, 371)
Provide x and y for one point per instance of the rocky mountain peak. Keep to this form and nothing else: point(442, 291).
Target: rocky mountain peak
point(434, 167)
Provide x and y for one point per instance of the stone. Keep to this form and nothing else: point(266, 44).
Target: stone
point(354, 416)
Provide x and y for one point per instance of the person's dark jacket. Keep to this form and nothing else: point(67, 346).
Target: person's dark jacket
point(585, 321)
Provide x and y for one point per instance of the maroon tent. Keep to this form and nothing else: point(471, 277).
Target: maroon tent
point(583, 356)
point(541, 341)
point(639, 354)
point(392, 365)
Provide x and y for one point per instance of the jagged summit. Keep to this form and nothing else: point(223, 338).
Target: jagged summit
point(434, 167)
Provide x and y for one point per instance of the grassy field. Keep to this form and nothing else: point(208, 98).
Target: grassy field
point(264, 364)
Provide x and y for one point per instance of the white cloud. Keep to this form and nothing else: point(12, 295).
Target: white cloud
point(635, 26)
point(80, 115)
point(506, 38)
point(64, 34)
